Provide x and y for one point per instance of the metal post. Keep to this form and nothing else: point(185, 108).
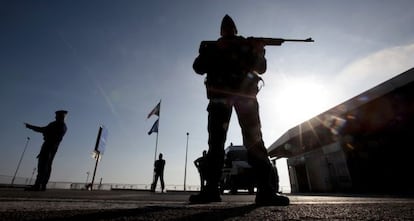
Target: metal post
point(185, 167)
point(98, 155)
point(21, 157)
point(34, 170)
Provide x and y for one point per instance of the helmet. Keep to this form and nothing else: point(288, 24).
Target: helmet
point(228, 26)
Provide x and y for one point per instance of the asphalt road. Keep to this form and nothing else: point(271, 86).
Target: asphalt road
point(16, 204)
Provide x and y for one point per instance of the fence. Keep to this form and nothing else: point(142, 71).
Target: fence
point(19, 181)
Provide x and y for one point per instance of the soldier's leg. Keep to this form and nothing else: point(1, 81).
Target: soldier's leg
point(275, 178)
point(218, 122)
point(47, 169)
point(249, 120)
point(201, 181)
point(219, 114)
point(248, 114)
point(41, 170)
point(156, 180)
point(162, 182)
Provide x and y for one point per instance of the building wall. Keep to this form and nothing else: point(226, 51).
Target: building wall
point(381, 145)
point(336, 162)
point(321, 170)
point(369, 150)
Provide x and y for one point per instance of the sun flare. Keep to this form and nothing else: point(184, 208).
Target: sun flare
point(302, 99)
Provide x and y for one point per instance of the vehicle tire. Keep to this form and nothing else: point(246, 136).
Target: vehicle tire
point(221, 189)
point(233, 190)
point(251, 190)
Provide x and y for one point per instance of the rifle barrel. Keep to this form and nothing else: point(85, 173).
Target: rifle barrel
point(304, 40)
point(283, 39)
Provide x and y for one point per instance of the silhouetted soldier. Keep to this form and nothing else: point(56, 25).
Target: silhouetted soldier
point(201, 164)
point(158, 173)
point(232, 66)
point(52, 136)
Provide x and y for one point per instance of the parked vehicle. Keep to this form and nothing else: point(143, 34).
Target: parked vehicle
point(237, 174)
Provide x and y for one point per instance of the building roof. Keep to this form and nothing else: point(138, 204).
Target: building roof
point(328, 126)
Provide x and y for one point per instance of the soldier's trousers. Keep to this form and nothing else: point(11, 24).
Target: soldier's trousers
point(154, 183)
point(44, 167)
point(219, 113)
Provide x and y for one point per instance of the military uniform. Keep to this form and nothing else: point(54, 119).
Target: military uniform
point(52, 135)
point(158, 173)
point(233, 65)
point(202, 167)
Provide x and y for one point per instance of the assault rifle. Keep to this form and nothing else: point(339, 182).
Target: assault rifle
point(277, 41)
point(258, 40)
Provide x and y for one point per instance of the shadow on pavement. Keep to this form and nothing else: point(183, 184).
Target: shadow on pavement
point(199, 213)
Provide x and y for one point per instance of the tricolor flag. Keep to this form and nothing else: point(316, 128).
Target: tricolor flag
point(154, 128)
point(155, 111)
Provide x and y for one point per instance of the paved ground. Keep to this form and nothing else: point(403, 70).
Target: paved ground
point(16, 204)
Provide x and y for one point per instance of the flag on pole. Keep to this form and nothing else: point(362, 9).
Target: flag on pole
point(155, 111)
point(154, 128)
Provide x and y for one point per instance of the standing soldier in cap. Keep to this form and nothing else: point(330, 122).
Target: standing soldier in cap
point(52, 136)
point(232, 66)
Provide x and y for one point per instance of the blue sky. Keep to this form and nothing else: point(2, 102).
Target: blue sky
point(110, 62)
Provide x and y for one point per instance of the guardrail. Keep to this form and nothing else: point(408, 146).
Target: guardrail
point(5, 180)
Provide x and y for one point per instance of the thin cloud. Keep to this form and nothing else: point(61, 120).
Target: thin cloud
point(377, 68)
point(98, 85)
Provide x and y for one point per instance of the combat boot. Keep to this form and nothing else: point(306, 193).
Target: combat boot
point(271, 199)
point(206, 196)
point(36, 187)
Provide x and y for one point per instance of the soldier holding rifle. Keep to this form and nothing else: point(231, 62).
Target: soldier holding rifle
point(232, 65)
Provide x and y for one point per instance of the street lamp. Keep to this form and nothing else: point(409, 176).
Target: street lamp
point(34, 170)
point(185, 167)
point(21, 157)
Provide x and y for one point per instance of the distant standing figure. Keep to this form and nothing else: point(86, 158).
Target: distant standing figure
point(201, 164)
point(158, 173)
point(52, 135)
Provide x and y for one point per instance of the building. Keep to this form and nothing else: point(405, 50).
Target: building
point(364, 145)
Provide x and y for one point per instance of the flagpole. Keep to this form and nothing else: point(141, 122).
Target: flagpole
point(21, 157)
point(156, 146)
point(158, 131)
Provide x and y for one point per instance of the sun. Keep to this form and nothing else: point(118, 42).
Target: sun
point(300, 99)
